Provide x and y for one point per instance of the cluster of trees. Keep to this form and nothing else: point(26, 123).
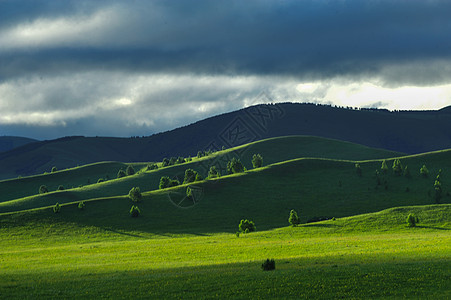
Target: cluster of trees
point(128, 172)
point(174, 161)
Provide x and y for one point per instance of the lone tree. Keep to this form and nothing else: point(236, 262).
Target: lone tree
point(81, 205)
point(213, 172)
point(165, 182)
point(60, 188)
point(54, 169)
point(257, 161)
point(135, 194)
point(165, 162)
point(135, 211)
point(57, 208)
point(121, 173)
point(438, 189)
point(397, 167)
point(130, 171)
point(294, 219)
point(358, 169)
point(246, 226)
point(412, 220)
point(190, 176)
point(43, 189)
point(384, 167)
point(424, 171)
point(235, 166)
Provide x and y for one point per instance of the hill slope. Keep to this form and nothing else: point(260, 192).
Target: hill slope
point(405, 131)
point(10, 142)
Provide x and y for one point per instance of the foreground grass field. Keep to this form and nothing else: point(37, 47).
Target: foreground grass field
point(367, 256)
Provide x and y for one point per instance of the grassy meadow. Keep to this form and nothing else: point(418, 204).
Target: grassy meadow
point(184, 248)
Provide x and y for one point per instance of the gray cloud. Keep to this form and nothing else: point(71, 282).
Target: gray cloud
point(85, 67)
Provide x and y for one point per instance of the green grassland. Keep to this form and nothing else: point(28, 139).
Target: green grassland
point(180, 248)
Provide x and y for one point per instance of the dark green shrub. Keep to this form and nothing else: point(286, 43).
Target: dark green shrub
point(43, 189)
point(60, 188)
point(235, 166)
point(407, 172)
point(172, 161)
point(135, 211)
point(54, 169)
point(257, 161)
point(180, 160)
point(424, 171)
point(397, 167)
point(135, 194)
point(165, 182)
point(294, 219)
point(246, 226)
point(412, 220)
point(269, 265)
point(56, 208)
point(121, 173)
point(384, 167)
point(438, 190)
point(190, 176)
point(81, 205)
point(358, 169)
point(100, 180)
point(165, 162)
point(130, 171)
point(174, 182)
point(152, 166)
point(213, 172)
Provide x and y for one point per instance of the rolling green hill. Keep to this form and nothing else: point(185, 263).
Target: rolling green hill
point(273, 150)
point(10, 142)
point(402, 131)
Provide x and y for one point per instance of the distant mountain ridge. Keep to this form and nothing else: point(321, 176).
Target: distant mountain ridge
point(401, 131)
point(10, 142)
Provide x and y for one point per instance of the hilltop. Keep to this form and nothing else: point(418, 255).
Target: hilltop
point(10, 142)
point(401, 131)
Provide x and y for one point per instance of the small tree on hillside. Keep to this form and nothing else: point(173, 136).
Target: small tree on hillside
point(246, 226)
point(165, 182)
point(294, 219)
point(407, 172)
point(397, 167)
point(257, 161)
point(358, 170)
point(165, 162)
point(384, 167)
point(81, 205)
point(43, 189)
point(213, 172)
point(172, 161)
point(130, 170)
point(135, 194)
point(54, 169)
point(438, 189)
point(152, 166)
point(121, 173)
point(135, 211)
point(180, 160)
point(235, 166)
point(60, 188)
point(56, 208)
point(424, 171)
point(412, 220)
point(190, 176)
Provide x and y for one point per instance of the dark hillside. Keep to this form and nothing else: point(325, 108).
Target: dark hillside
point(10, 142)
point(403, 131)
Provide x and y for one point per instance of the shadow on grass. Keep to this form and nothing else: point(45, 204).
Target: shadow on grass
point(321, 225)
point(432, 227)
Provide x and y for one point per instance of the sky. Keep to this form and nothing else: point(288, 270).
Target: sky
point(134, 68)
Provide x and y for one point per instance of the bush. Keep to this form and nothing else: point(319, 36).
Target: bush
point(213, 172)
point(257, 161)
point(407, 172)
point(81, 205)
point(165, 162)
point(235, 166)
point(130, 171)
point(121, 174)
point(358, 169)
point(397, 167)
point(424, 171)
point(180, 160)
point(384, 167)
point(190, 176)
point(56, 208)
point(152, 166)
point(412, 220)
point(165, 182)
point(246, 226)
point(43, 189)
point(60, 188)
point(269, 265)
point(172, 161)
point(294, 218)
point(100, 180)
point(54, 169)
point(135, 211)
point(135, 194)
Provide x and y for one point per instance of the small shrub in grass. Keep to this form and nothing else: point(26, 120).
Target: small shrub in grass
point(294, 219)
point(246, 226)
point(152, 166)
point(81, 205)
point(56, 208)
point(129, 171)
point(100, 180)
point(54, 169)
point(135, 211)
point(257, 160)
point(237, 234)
point(397, 167)
point(60, 188)
point(358, 170)
point(135, 194)
point(424, 171)
point(384, 167)
point(412, 220)
point(121, 173)
point(269, 265)
point(43, 189)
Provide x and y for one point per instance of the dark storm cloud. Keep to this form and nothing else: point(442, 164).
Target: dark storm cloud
point(306, 39)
